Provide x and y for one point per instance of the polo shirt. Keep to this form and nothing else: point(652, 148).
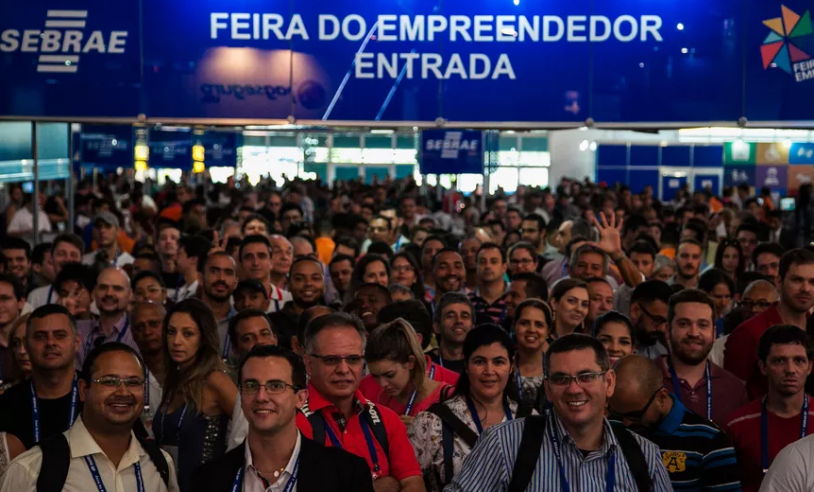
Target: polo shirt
point(744, 430)
point(371, 389)
point(740, 354)
point(728, 392)
point(402, 462)
point(698, 455)
point(496, 310)
point(24, 471)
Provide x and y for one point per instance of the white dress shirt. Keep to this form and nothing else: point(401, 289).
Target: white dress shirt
point(253, 483)
point(23, 472)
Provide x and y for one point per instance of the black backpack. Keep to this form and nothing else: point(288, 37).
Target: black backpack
point(452, 425)
point(376, 424)
point(532, 441)
point(56, 460)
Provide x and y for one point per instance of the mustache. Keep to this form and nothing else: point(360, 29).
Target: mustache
point(109, 298)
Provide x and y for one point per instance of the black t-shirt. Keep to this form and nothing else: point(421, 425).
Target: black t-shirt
point(452, 365)
point(284, 323)
point(171, 280)
point(16, 416)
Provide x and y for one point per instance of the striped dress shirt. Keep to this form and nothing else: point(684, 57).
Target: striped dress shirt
point(89, 331)
point(490, 465)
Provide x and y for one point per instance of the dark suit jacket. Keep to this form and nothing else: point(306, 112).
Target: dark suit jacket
point(322, 469)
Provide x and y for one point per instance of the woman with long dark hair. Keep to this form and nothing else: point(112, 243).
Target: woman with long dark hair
point(729, 258)
point(198, 397)
point(404, 270)
point(533, 320)
point(615, 331)
point(570, 302)
point(479, 401)
point(370, 269)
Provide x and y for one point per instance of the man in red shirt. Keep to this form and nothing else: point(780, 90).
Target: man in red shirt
point(796, 299)
point(703, 387)
point(337, 414)
point(762, 428)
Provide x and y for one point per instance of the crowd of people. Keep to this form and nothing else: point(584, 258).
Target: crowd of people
point(391, 337)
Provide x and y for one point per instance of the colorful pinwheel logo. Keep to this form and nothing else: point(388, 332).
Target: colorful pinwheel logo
point(778, 49)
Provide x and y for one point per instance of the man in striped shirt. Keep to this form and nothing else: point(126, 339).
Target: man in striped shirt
point(489, 297)
point(580, 451)
point(698, 455)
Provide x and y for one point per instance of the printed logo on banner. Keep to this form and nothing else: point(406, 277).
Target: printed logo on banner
point(62, 41)
point(452, 152)
point(772, 176)
point(736, 175)
point(801, 153)
point(780, 48)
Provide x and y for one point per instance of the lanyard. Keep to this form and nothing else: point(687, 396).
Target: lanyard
point(35, 409)
point(374, 457)
point(147, 390)
point(178, 284)
point(410, 403)
point(610, 477)
point(432, 371)
point(94, 471)
point(677, 386)
point(50, 293)
point(288, 487)
point(764, 430)
point(519, 384)
point(228, 342)
point(122, 332)
point(476, 418)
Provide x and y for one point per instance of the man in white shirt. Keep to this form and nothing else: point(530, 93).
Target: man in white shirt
point(192, 251)
point(22, 224)
point(104, 451)
point(106, 233)
point(64, 249)
point(792, 469)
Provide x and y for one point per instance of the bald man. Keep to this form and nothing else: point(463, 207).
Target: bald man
point(758, 297)
point(698, 455)
point(112, 296)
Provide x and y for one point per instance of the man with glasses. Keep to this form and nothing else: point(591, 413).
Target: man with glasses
point(759, 296)
point(698, 455)
point(648, 313)
point(572, 448)
point(274, 455)
point(796, 300)
point(337, 414)
point(698, 384)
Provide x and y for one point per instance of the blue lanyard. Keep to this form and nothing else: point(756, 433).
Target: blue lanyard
point(288, 487)
point(374, 457)
point(432, 371)
point(476, 418)
point(410, 403)
point(123, 331)
point(764, 430)
point(50, 293)
point(177, 426)
point(610, 477)
point(147, 390)
point(677, 386)
point(519, 384)
point(35, 409)
point(228, 342)
point(94, 471)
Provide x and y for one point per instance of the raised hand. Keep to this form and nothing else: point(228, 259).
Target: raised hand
point(219, 245)
point(610, 235)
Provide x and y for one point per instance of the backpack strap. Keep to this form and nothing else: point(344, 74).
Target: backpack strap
point(634, 457)
point(374, 420)
point(524, 410)
point(457, 425)
point(56, 459)
point(448, 441)
point(157, 457)
point(317, 427)
point(528, 453)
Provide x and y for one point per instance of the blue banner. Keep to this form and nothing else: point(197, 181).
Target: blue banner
point(451, 152)
point(410, 60)
point(106, 146)
point(220, 149)
point(171, 149)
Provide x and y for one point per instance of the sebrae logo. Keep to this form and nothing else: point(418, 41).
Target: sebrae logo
point(63, 40)
point(452, 144)
point(780, 50)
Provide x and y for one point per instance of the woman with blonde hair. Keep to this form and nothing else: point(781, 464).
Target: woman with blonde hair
point(397, 363)
point(198, 396)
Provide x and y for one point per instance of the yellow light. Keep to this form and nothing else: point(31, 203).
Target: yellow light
point(141, 165)
point(142, 152)
point(198, 167)
point(198, 153)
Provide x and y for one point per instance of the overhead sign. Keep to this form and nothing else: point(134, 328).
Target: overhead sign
point(106, 146)
point(220, 149)
point(171, 149)
point(451, 152)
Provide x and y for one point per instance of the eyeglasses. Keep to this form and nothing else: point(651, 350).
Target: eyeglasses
point(657, 320)
point(273, 387)
point(113, 382)
point(637, 415)
point(524, 261)
point(583, 379)
point(751, 305)
point(335, 360)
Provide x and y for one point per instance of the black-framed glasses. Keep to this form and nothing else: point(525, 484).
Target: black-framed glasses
point(639, 414)
point(583, 379)
point(524, 261)
point(273, 387)
point(751, 305)
point(113, 382)
point(335, 360)
point(657, 320)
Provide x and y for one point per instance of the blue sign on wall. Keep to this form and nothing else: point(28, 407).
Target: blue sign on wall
point(801, 154)
point(171, 149)
point(451, 152)
point(106, 146)
point(735, 175)
point(220, 149)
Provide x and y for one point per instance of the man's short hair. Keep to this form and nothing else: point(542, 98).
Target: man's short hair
point(536, 286)
point(576, 341)
point(252, 239)
point(412, 311)
point(384, 218)
point(799, 256)
point(38, 254)
point(235, 320)
point(71, 239)
point(288, 206)
point(333, 320)
point(90, 360)
point(536, 218)
point(145, 274)
point(16, 243)
point(341, 258)
point(650, 291)
point(48, 310)
point(782, 335)
point(495, 246)
point(643, 248)
point(590, 248)
point(449, 299)
point(689, 241)
point(444, 250)
point(16, 286)
point(348, 242)
point(264, 351)
point(771, 248)
point(304, 259)
point(527, 246)
point(196, 247)
point(688, 295)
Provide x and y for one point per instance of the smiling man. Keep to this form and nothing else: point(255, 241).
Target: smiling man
point(448, 272)
point(454, 318)
point(489, 297)
point(307, 284)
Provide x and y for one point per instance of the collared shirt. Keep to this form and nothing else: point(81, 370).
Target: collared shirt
point(89, 331)
point(491, 463)
point(728, 392)
point(24, 471)
point(402, 461)
point(41, 296)
point(185, 291)
point(698, 455)
point(496, 310)
point(252, 481)
point(278, 298)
